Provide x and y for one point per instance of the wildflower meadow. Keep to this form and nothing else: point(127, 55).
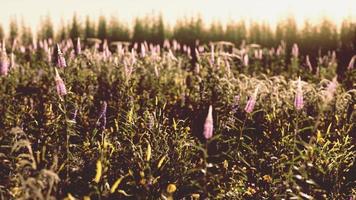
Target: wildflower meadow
point(89, 118)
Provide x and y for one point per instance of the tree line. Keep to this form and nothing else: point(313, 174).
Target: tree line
point(313, 39)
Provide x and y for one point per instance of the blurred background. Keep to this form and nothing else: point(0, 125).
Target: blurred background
point(271, 11)
point(318, 26)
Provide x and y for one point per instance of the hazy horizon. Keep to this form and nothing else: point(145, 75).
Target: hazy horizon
point(31, 11)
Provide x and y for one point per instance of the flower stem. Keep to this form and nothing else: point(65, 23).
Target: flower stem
point(294, 145)
point(67, 136)
point(241, 131)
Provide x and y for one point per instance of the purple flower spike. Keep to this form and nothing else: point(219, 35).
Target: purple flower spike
point(235, 104)
point(75, 115)
point(78, 47)
point(212, 55)
point(332, 85)
point(330, 90)
point(298, 101)
point(252, 101)
point(143, 50)
point(208, 125)
point(12, 60)
point(4, 64)
point(61, 88)
point(295, 50)
point(102, 116)
point(61, 61)
point(307, 60)
point(245, 60)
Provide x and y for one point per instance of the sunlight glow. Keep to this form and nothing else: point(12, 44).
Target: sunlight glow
point(269, 11)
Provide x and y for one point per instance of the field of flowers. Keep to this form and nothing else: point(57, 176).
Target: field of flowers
point(139, 122)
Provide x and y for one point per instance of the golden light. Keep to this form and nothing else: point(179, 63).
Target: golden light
point(269, 11)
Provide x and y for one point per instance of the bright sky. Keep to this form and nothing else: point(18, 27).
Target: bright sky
point(263, 10)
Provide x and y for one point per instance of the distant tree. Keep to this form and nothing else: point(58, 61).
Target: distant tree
point(49, 32)
point(291, 36)
point(159, 31)
point(255, 33)
point(261, 33)
point(188, 31)
point(216, 32)
point(102, 28)
point(306, 37)
point(199, 31)
point(75, 28)
point(89, 30)
point(267, 36)
point(62, 32)
point(14, 30)
point(138, 31)
point(46, 31)
point(327, 36)
point(308, 43)
point(150, 29)
point(280, 32)
point(191, 30)
point(347, 34)
point(235, 32)
point(291, 31)
point(347, 40)
point(26, 34)
point(118, 31)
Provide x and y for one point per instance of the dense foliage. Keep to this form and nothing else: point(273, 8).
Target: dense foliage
point(90, 124)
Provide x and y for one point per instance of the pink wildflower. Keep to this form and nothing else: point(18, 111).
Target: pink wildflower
point(245, 60)
point(330, 89)
point(208, 125)
point(78, 47)
point(295, 51)
point(298, 101)
point(4, 64)
point(252, 101)
point(61, 88)
point(61, 62)
point(307, 61)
